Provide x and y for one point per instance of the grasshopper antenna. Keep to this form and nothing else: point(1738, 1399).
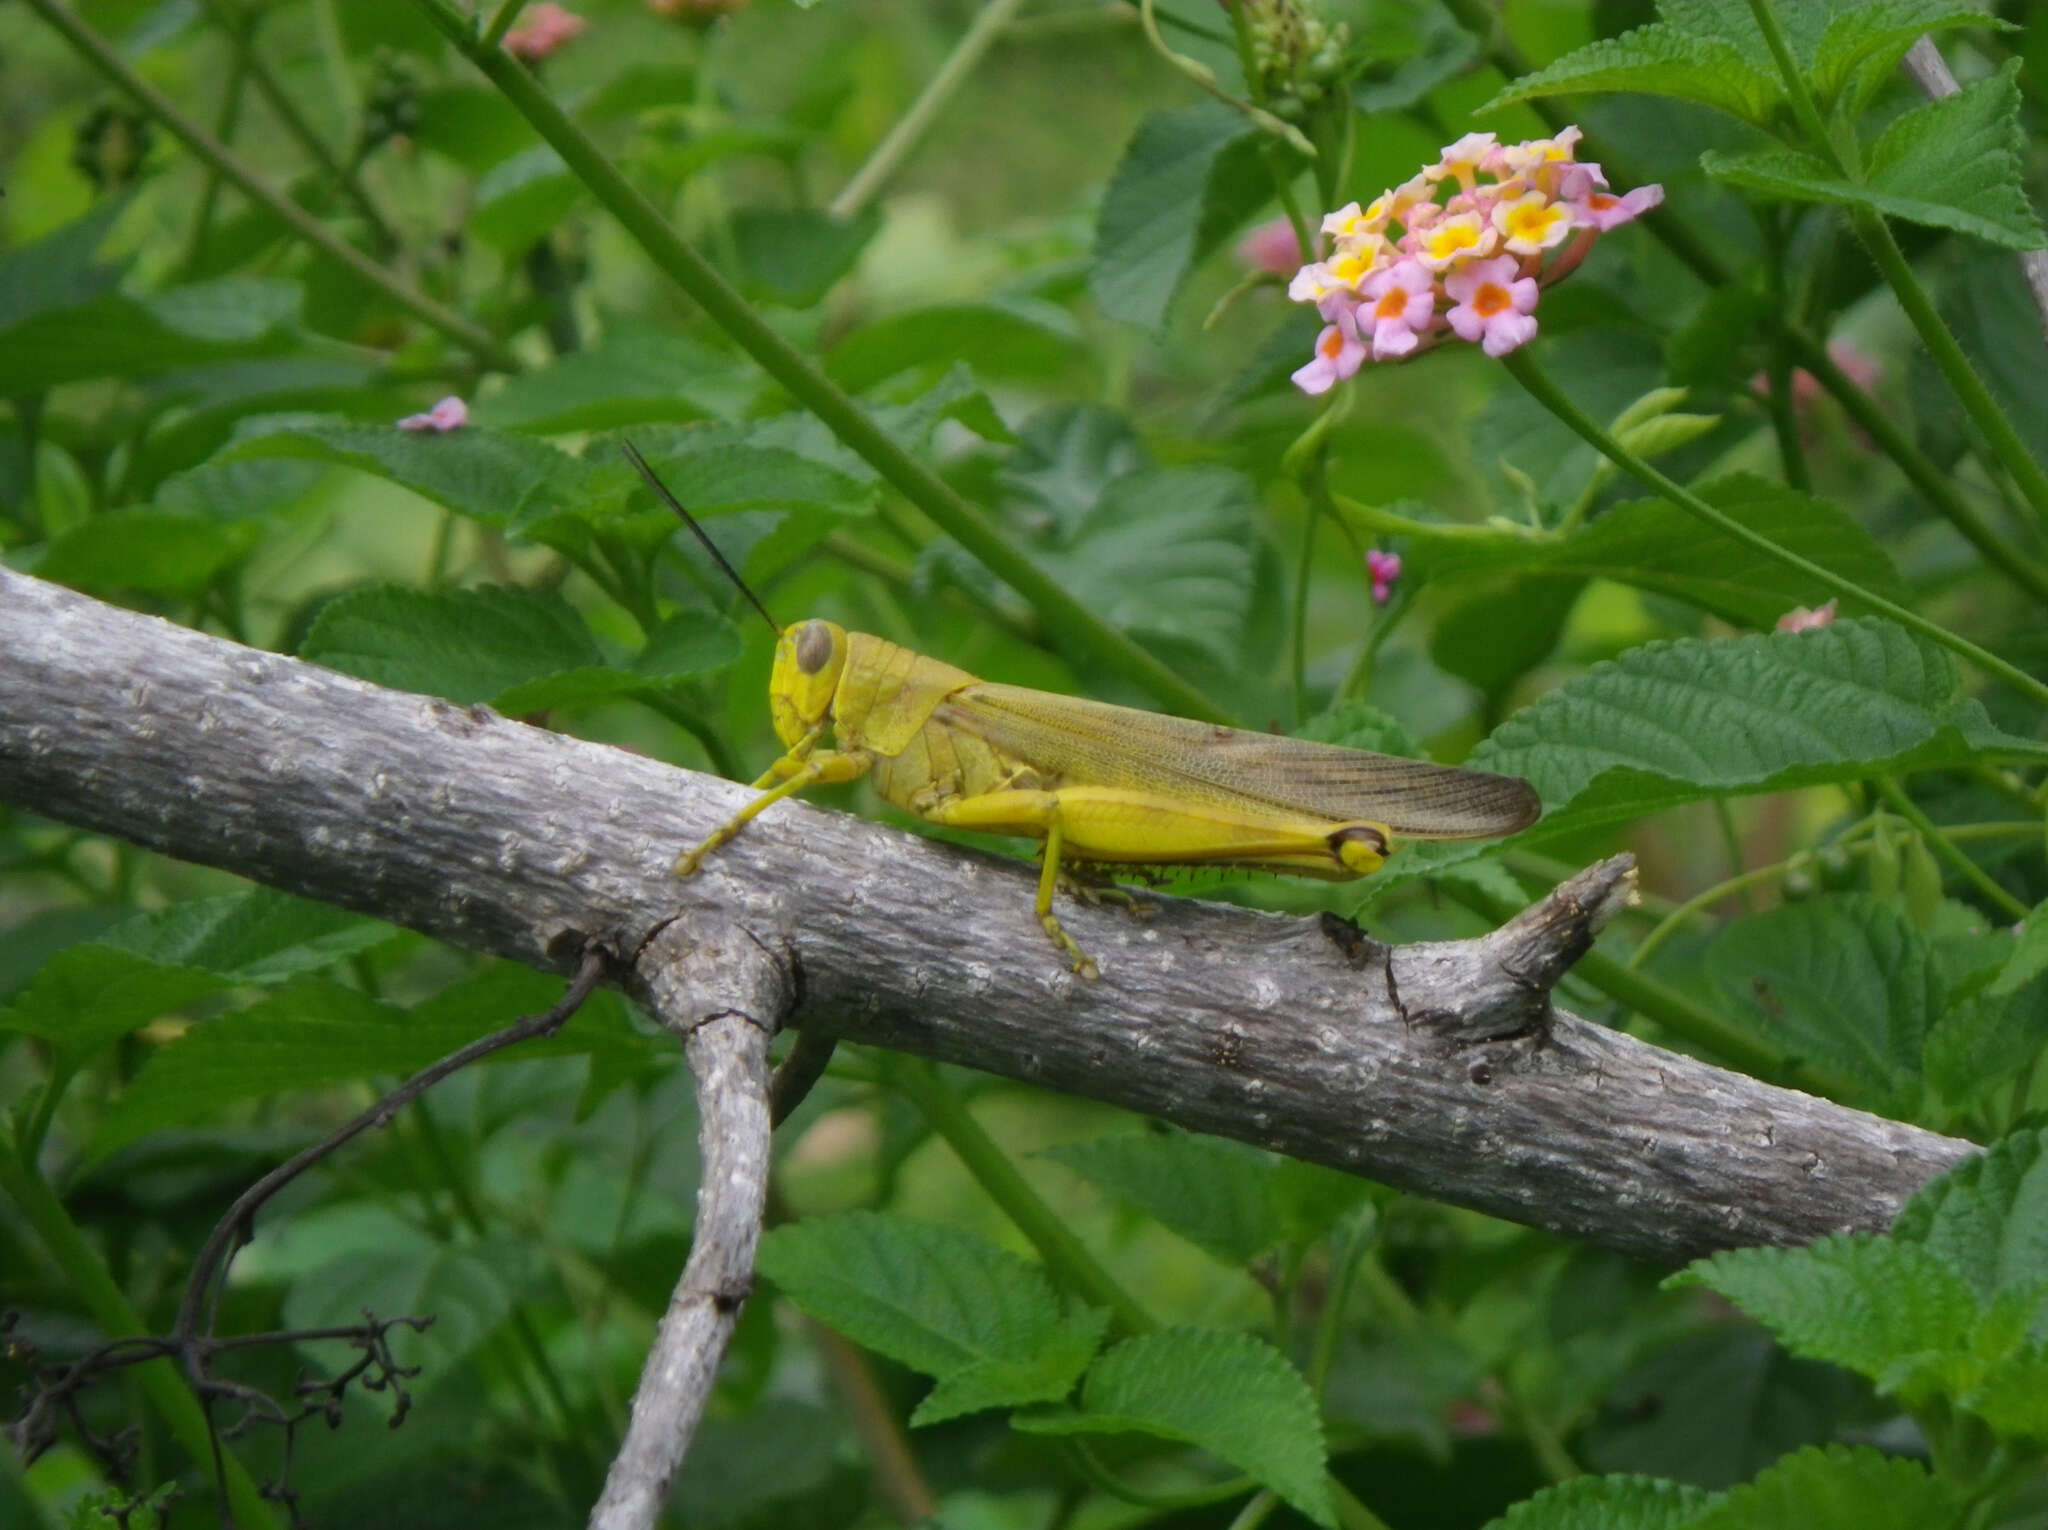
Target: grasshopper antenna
point(661, 492)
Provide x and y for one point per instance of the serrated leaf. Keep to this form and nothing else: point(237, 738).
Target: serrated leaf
point(629, 376)
point(113, 334)
point(1167, 554)
point(1653, 545)
point(1836, 1487)
point(259, 936)
point(1230, 1394)
point(465, 645)
point(1690, 719)
point(89, 995)
point(741, 1470)
point(1846, 982)
point(2029, 958)
point(1983, 1042)
point(1608, 1503)
point(1987, 1219)
point(2013, 1397)
point(1717, 1407)
point(519, 199)
point(1216, 1194)
point(1355, 725)
point(469, 1290)
point(1663, 59)
point(1952, 163)
point(160, 551)
point(795, 255)
point(310, 1032)
point(1890, 1309)
point(1067, 456)
point(983, 1322)
point(499, 478)
point(1401, 1387)
point(1862, 42)
point(1187, 179)
point(1711, 51)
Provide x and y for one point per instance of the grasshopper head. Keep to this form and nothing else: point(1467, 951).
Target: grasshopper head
point(808, 660)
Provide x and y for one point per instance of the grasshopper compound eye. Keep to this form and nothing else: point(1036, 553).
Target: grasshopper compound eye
point(813, 647)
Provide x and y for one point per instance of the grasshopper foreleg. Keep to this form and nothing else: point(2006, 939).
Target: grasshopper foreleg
point(785, 778)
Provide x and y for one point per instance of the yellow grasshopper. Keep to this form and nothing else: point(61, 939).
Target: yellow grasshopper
point(1100, 784)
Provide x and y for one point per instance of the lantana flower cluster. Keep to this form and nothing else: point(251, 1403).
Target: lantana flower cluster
point(1418, 264)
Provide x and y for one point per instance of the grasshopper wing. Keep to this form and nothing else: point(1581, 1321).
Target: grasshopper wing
point(1073, 741)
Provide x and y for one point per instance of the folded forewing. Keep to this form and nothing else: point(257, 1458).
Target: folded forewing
point(1071, 740)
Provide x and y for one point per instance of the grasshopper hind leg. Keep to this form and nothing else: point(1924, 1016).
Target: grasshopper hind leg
point(1049, 877)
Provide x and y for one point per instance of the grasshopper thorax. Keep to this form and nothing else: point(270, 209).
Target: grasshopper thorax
point(809, 658)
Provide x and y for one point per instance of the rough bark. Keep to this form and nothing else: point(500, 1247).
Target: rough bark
point(510, 840)
point(722, 995)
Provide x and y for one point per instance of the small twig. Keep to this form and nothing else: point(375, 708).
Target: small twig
point(799, 1073)
point(209, 1270)
point(723, 992)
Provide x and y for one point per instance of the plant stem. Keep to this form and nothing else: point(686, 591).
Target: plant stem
point(910, 129)
point(1896, 799)
point(200, 142)
point(841, 414)
point(1937, 487)
point(1840, 153)
point(86, 1275)
point(2028, 476)
point(240, 27)
point(1064, 1254)
point(1539, 385)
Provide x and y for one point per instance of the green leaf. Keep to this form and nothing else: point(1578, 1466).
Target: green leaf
point(1725, 66)
point(1953, 163)
point(1836, 1487)
point(1655, 546)
point(310, 1032)
point(112, 334)
point(2013, 1397)
point(629, 376)
point(1607, 1503)
point(750, 1469)
point(1983, 1042)
point(1888, 1308)
point(1711, 51)
point(1862, 42)
point(1216, 1194)
point(1230, 1394)
point(501, 479)
point(465, 645)
point(88, 996)
point(1401, 1387)
point(794, 255)
point(1493, 639)
point(1355, 725)
point(983, 1322)
point(160, 551)
point(1987, 1219)
point(1717, 1407)
point(1846, 982)
point(259, 936)
point(1007, 337)
point(1187, 179)
point(469, 1289)
point(2030, 955)
point(1067, 456)
point(519, 199)
point(1168, 555)
point(1683, 721)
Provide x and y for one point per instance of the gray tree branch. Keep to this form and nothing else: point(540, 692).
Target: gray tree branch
point(722, 994)
point(1438, 1068)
